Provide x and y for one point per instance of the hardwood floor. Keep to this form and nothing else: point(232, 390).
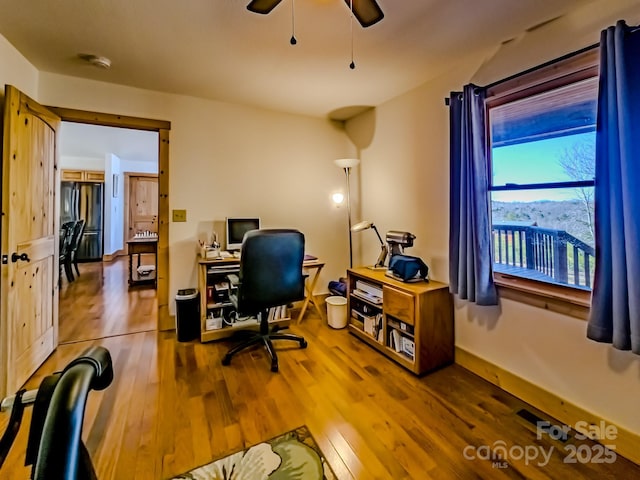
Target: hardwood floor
point(172, 407)
point(99, 304)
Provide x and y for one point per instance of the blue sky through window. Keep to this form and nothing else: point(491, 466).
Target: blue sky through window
point(535, 162)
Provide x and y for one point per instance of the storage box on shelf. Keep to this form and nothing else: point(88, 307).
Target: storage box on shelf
point(411, 323)
point(215, 306)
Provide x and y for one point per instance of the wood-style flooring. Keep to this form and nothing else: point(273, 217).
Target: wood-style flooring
point(172, 406)
point(99, 304)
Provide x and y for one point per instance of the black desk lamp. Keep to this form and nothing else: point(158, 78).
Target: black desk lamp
point(358, 227)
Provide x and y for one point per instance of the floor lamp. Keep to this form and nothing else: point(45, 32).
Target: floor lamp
point(347, 164)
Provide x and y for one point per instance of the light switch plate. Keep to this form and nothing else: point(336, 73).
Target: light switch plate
point(179, 215)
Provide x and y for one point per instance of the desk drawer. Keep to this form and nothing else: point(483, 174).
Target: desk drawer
point(400, 305)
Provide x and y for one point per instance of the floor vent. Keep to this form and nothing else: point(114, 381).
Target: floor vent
point(533, 419)
point(529, 416)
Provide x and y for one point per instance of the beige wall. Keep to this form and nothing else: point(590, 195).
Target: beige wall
point(405, 174)
point(231, 160)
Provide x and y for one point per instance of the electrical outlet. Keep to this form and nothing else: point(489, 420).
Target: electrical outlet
point(179, 215)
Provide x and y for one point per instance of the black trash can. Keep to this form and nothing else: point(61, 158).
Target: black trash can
point(187, 314)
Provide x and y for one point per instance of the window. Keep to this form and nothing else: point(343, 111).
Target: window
point(542, 176)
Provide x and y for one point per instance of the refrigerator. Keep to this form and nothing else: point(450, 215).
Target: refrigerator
point(84, 200)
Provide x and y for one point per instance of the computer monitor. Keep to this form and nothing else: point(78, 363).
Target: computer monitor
point(236, 228)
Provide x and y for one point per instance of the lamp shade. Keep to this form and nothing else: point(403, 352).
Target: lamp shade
point(347, 162)
point(358, 227)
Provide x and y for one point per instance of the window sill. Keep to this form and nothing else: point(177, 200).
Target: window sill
point(556, 298)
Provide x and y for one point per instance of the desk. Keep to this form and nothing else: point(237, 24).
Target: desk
point(310, 285)
point(138, 246)
point(210, 271)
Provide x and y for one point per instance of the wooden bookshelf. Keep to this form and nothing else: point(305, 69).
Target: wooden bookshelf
point(412, 324)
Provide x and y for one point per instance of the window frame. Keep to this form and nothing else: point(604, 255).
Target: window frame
point(566, 70)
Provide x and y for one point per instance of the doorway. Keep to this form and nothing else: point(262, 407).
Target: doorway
point(162, 128)
point(95, 161)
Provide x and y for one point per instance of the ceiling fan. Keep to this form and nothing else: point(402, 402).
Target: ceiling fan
point(367, 12)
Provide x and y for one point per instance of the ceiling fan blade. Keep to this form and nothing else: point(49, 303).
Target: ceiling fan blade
point(262, 6)
point(367, 12)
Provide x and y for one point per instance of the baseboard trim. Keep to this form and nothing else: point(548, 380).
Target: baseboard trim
point(627, 443)
point(113, 256)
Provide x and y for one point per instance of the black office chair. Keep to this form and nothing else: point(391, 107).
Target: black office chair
point(270, 276)
point(66, 233)
point(78, 230)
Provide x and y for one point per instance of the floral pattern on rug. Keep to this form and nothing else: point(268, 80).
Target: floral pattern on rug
point(291, 456)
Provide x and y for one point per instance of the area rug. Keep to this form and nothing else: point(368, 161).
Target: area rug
point(291, 456)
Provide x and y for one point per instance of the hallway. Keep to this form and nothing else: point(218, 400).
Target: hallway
point(99, 304)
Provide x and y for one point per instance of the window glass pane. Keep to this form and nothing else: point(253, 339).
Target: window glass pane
point(545, 138)
point(545, 235)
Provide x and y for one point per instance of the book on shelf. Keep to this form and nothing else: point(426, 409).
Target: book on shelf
point(401, 344)
point(395, 341)
point(277, 313)
point(373, 326)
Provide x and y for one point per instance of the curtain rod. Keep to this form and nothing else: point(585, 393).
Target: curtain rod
point(533, 69)
point(546, 64)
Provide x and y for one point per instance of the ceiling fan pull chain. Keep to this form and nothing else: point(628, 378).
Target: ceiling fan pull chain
point(293, 24)
point(352, 65)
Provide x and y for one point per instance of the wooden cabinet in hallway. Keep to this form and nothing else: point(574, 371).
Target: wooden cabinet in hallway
point(141, 204)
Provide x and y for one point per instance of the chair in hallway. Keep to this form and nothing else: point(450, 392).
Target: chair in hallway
point(270, 276)
point(76, 236)
point(66, 233)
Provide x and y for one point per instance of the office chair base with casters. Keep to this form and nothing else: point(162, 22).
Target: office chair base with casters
point(265, 337)
point(270, 276)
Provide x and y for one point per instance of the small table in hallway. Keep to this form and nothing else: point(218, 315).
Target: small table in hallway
point(138, 246)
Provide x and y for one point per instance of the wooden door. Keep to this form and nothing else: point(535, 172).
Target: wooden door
point(143, 204)
point(29, 280)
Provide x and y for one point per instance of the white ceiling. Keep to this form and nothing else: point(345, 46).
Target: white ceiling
point(94, 141)
point(217, 49)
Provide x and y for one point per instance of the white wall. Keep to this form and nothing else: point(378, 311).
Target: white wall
point(113, 206)
point(81, 163)
point(404, 181)
point(136, 166)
